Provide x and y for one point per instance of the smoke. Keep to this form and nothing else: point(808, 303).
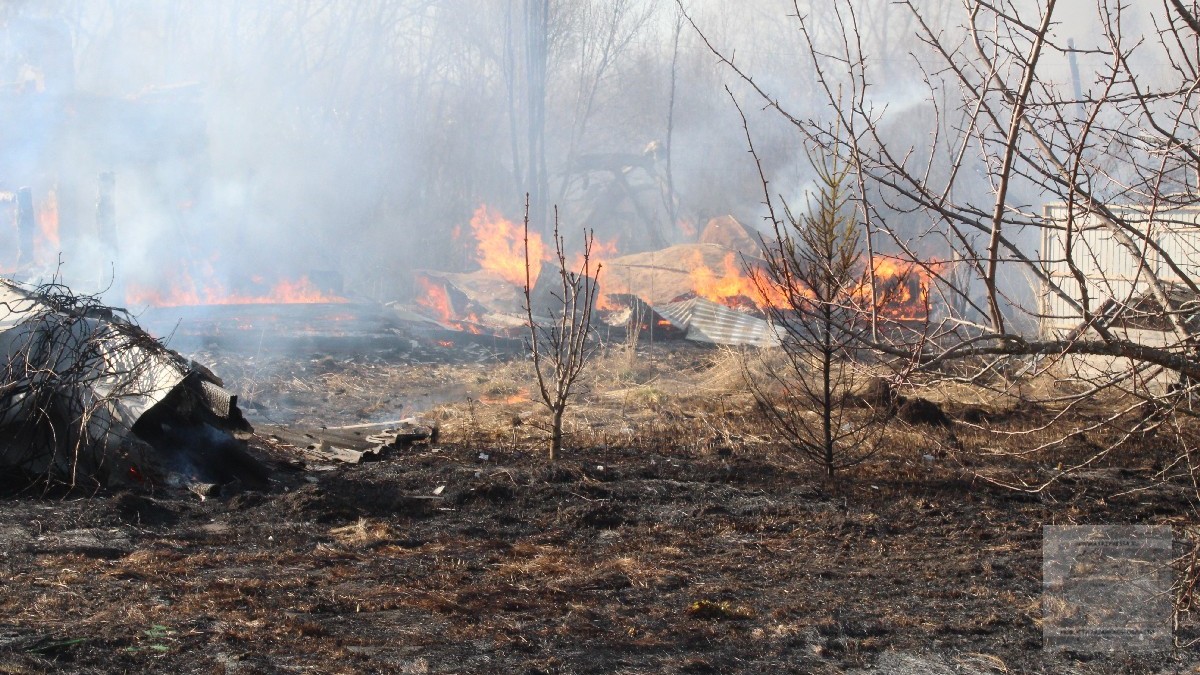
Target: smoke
point(256, 140)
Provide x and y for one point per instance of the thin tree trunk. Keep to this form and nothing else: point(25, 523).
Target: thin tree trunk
point(672, 202)
point(827, 401)
point(1010, 151)
point(556, 435)
point(537, 24)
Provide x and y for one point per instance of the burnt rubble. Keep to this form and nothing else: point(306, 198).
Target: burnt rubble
point(88, 397)
point(652, 293)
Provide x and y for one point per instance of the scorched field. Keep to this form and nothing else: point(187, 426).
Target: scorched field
point(673, 536)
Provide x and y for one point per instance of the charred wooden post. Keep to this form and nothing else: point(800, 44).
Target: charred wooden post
point(26, 226)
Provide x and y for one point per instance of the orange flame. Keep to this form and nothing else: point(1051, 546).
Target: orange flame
point(501, 246)
point(433, 297)
point(901, 288)
point(602, 251)
point(733, 286)
point(604, 303)
point(45, 239)
point(184, 291)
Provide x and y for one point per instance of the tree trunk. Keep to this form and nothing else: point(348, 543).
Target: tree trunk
point(536, 27)
point(827, 402)
point(556, 435)
point(672, 201)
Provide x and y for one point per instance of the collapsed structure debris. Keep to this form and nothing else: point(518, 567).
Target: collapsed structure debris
point(88, 396)
point(703, 320)
point(672, 293)
point(717, 289)
point(353, 444)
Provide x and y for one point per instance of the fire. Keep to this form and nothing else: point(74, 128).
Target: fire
point(602, 251)
point(900, 291)
point(733, 286)
point(185, 291)
point(501, 246)
point(433, 297)
point(45, 239)
point(606, 304)
point(901, 288)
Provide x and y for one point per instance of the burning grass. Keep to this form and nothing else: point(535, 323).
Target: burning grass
point(186, 291)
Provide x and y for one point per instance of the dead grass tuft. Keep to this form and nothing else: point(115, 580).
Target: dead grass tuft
point(362, 533)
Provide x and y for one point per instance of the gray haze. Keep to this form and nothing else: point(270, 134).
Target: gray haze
point(253, 140)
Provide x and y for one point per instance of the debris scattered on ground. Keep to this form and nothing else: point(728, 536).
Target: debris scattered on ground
point(352, 444)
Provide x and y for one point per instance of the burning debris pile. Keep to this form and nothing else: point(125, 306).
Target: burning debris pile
point(656, 293)
point(87, 395)
point(715, 290)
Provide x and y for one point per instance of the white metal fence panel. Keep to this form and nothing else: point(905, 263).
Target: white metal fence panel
point(1182, 247)
point(1110, 268)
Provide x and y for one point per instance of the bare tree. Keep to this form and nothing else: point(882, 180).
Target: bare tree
point(604, 33)
point(1072, 220)
point(669, 195)
point(559, 343)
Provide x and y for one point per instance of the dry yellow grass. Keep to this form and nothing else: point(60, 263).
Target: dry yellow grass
point(362, 532)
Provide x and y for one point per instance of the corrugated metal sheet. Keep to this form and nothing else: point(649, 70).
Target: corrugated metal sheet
point(678, 313)
point(707, 321)
point(104, 382)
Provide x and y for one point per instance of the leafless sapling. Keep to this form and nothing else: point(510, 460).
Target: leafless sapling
point(559, 340)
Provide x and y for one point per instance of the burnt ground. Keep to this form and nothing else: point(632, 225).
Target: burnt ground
point(644, 550)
